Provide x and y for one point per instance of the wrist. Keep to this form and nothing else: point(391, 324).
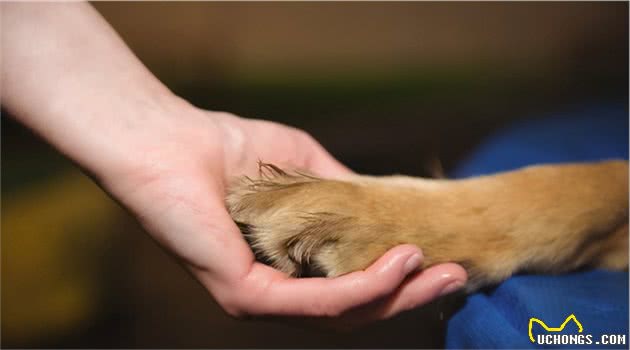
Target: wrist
point(109, 139)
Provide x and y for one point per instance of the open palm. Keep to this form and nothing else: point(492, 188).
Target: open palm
point(176, 189)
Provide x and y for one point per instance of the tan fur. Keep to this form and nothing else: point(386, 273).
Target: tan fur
point(550, 218)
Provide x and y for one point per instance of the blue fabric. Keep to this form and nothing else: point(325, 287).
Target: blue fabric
point(498, 318)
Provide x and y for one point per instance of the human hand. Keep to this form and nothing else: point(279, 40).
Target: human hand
point(85, 93)
point(174, 181)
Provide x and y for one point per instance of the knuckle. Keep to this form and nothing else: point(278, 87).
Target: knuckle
point(235, 306)
point(224, 114)
point(305, 135)
point(235, 311)
point(327, 310)
point(334, 312)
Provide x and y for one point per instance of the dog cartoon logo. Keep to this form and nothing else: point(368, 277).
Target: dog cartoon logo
point(552, 329)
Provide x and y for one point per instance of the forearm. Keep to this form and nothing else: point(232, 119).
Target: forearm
point(68, 76)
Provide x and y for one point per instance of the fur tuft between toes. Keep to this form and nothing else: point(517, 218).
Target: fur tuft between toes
point(283, 230)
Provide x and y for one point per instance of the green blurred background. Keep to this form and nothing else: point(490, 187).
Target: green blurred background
point(386, 87)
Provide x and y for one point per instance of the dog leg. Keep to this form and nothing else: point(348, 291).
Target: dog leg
point(550, 218)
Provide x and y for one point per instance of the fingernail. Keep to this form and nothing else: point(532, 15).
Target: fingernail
point(412, 263)
point(451, 287)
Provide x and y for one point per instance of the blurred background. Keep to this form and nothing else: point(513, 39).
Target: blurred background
point(386, 87)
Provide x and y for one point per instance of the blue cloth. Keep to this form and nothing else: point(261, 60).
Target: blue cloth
point(499, 317)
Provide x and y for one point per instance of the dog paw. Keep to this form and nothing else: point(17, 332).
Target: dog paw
point(307, 226)
point(532, 220)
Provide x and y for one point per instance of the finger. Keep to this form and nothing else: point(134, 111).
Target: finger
point(329, 167)
point(328, 296)
point(419, 289)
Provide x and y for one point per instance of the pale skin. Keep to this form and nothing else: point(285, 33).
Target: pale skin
point(68, 76)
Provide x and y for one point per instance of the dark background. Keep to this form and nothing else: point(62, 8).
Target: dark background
point(386, 87)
